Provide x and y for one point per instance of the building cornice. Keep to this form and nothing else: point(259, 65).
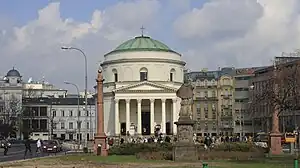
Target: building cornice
point(182, 63)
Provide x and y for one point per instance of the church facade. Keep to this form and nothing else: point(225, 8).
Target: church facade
point(141, 76)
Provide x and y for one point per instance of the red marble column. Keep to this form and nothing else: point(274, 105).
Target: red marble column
point(275, 136)
point(100, 138)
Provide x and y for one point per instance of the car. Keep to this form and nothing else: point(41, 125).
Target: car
point(3, 142)
point(51, 146)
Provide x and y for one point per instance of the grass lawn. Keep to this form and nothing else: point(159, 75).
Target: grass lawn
point(130, 161)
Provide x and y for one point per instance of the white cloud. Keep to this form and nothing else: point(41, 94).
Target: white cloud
point(34, 48)
point(239, 32)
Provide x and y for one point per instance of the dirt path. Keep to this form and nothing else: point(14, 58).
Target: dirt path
point(58, 164)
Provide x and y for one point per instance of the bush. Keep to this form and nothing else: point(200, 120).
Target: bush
point(135, 148)
point(160, 155)
point(238, 147)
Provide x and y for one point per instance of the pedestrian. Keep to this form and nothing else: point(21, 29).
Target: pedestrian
point(5, 146)
point(38, 146)
point(27, 147)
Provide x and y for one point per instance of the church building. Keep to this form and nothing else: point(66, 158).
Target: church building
point(141, 76)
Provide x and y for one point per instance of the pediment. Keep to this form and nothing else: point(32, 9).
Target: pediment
point(146, 86)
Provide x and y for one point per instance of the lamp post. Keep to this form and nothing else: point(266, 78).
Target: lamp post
point(78, 115)
point(85, 78)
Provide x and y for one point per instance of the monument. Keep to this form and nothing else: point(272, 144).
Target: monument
point(184, 148)
point(100, 137)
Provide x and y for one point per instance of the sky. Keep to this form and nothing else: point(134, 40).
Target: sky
point(208, 33)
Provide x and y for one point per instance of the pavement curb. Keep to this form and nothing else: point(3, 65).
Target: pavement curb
point(24, 160)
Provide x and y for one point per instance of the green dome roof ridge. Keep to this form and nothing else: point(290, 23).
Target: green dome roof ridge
point(142, 43)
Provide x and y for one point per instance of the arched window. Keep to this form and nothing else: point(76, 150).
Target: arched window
point(115, 72)
point(172, 74)
point(143, 74)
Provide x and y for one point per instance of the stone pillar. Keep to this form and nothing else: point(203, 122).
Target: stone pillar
point(275, 136)
point(100, 138)
point(174, 115)
point(117, 117)
point(139, 116)
point(163, 116)
point(127, 115)
point(152, 126)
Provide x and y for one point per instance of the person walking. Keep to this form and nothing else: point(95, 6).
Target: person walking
point(5, 146)
point(27, 147)
point(38, 146)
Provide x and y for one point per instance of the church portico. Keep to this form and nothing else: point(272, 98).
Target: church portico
point(144, 116)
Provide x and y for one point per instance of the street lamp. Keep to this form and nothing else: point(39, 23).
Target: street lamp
point(85, 79)
point(78, 103)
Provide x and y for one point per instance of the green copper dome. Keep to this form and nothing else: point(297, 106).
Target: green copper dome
point(141, 43)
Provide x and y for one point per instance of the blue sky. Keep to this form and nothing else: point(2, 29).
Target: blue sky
point(208, 33)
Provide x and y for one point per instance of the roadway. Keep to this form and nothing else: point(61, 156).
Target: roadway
point(17, 151)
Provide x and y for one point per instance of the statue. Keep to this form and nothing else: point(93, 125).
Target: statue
point(185, 92)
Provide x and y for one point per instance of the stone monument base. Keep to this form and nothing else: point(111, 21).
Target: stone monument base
point(184, 148)
point(100, 140)
point(275, 144)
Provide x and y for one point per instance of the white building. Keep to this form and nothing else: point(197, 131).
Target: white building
point(141, 76)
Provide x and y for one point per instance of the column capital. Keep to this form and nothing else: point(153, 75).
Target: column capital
point(163, 100)
point(127, 100)
point(116, 100)
point(174, 100)
point(139, 101)
point(152, 100)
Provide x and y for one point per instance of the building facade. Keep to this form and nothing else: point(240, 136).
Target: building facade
point(205, 106)
point(141, 76)
point(39, 109)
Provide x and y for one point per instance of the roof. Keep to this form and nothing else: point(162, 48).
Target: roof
point(57, 101)
point(13, 73)
point(142, 43)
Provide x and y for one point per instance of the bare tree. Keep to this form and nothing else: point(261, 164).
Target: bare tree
point(12, 113)
point(279, 92)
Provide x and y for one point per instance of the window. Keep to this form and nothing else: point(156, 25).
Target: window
point(172, 72)
point(70, 125)
point(206, 114)
point(53, 113)
point(171, 77)
point(79, 113)
point(78, 125)
point(205, 93)
point(214, 115)
point(87, 125)
point(115, 72)
point(62, 113)
point(143, 74)
point(70, 136)
point(87, 113)
point(54, 125)
point(62, 125)
point(213, 93)
point(70, 113)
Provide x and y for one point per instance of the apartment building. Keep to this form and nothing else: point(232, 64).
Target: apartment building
point(205, 107)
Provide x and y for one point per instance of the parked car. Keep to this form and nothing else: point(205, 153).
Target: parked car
point(3, 142)
point(51, 146)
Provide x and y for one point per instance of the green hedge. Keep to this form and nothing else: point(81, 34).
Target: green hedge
point(237, 147)
point(135, 148)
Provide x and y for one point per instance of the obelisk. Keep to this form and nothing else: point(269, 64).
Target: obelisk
point(100, 137)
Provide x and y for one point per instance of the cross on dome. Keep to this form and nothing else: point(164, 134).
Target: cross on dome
point(142, 29)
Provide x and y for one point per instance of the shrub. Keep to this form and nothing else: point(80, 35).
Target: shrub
point(160, 155)
point(238, 146)
point(135, 148)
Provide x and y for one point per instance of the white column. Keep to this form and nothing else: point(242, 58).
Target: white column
point(174, 115)
point(152, 130)
point(163, 116)
point(127, 115)
point(117, 122)
point(139, 116)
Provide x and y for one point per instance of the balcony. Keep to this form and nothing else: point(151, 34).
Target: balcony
point(206, 98)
